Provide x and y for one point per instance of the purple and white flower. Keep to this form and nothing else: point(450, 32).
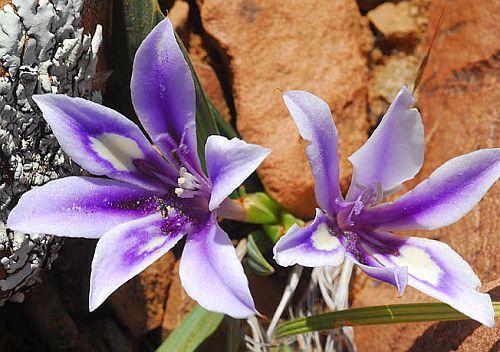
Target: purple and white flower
point(360, 227)
point(153, 195)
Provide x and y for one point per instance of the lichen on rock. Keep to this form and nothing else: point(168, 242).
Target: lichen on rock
point(43, 49)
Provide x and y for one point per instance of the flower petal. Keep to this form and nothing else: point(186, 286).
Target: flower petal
point(445, 197)
point(437, 270)
point(394, 153)
point(393, 275)
point(129, 248)
point(163, 93)
point(229, 163)
point(315, 245)
point(212, 275)
point(314, 120)
point(360, 248)
point(104, 142)
point(80, 207)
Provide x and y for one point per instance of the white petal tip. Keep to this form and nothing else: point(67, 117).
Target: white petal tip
point(92, 307)
point(213, 204)
point(490, 324)
point(94, 303)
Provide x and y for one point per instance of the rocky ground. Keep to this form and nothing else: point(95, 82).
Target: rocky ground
point(355, 55)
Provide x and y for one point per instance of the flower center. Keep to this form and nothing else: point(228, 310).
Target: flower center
point(189, 186)
point(370, 196)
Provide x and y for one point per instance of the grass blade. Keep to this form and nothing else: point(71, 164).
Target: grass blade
point(388, 314)
point(193, 330)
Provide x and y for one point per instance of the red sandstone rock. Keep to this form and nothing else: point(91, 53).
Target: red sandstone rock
point(140, 304)
point(460, 104)
point(311, 45)
point(212, 87)
point(463, 336)
point(394, 21)
point(178, 304)
point(179, 16)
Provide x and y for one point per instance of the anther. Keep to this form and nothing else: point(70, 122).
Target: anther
point(179, 191)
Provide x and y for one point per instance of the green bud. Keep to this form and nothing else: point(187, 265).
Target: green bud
point(260, 208)
point(288, 220)
point(274, 231)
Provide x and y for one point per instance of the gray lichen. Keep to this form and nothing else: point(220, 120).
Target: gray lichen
point(43, 49)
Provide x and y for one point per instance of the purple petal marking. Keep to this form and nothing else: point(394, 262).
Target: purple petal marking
point(314, 120)
point(104, 142)
point(437, 270)
point(212, 275)
point(444, 198)
point(163, 93)
point(360, 249)
point(395, 151)
point(80, 207)
point(316, 245)
point(129, 248)
point(229, 163)
point(393, 275)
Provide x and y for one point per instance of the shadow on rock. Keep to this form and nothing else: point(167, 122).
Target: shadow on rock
point(449, 335)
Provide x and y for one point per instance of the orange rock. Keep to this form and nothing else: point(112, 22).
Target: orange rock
point(461, 336)
point(460, 104)
point(178, 304)
point(179, 16)
point(394, 21)
point(212, 87)
point(310, 45)
point(140, 303)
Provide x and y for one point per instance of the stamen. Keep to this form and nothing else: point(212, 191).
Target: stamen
point(371, 195)
point(380, 193)
point(188, 184)
point(186, 180)
point(179, 191)
point(360, 187)
point(345, 216)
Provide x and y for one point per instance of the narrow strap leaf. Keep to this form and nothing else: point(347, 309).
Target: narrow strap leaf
point(256, 260)
point(192, 331)
point(388, 314)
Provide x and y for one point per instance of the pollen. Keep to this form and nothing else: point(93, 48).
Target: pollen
point(179, 191)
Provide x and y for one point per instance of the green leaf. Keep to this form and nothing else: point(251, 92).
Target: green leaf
point(389, 314)
point(233, 334)
point(255, 258)
point(225, 128)
point(132, 20)
point(192, 331)
point(281, 349)
point(140, 17)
